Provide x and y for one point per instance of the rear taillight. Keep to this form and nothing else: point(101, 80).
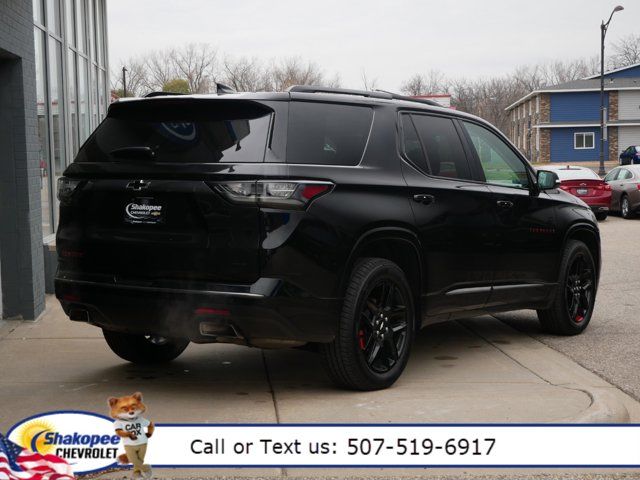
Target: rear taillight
point(66, 187)
point(288, 195)
point(638, 186)
point(564, 187)
point(604, 186)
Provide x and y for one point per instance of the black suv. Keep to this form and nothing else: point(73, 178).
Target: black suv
point(339, 219)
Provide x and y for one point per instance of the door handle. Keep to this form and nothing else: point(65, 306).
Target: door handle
point(424, 198)
point(504, 204)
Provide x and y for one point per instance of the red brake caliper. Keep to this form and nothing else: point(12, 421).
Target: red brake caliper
point(361, 339)
point(579, 318)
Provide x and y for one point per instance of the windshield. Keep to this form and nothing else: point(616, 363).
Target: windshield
point(183, 131)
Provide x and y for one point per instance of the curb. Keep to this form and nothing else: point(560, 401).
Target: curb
point(605, 407)
point(556, 369)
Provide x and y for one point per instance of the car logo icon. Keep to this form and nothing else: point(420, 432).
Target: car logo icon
point(138, 185)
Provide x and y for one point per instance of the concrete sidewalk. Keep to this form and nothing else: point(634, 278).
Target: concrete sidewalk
point(470, 371)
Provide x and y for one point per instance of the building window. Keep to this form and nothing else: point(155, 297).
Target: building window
point(38, 12)
point(53, 16)
point(81, 32)
point(71, 84)
point(584, 140)
point(43, 134)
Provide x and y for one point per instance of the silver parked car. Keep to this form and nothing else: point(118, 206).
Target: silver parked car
point(625, 189)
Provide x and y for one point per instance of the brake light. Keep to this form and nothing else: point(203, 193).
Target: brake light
point(638, 186)
point(66, 187)
point(564, 187)
point(311, 191)
point(276, 194)
point(607, 187)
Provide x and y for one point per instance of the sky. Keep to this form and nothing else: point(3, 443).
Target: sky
point(388, 40)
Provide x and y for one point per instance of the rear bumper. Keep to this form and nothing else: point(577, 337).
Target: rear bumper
point(267, 312)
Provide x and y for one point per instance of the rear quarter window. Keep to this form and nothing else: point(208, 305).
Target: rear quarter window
point(327, 134)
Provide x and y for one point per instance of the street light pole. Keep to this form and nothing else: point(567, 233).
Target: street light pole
point(603, 111)
point(124, 81)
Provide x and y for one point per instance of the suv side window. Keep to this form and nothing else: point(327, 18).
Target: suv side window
point(327, 133)
point(445, 154)
point(501, 166)
point(411, 143)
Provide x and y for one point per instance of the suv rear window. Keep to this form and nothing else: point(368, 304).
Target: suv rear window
point(327, 134)
point(179, 131)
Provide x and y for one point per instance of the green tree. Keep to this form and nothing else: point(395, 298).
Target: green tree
point(177, 85)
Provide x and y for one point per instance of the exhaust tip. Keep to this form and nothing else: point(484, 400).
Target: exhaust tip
point(79, 315)
point(218, 329)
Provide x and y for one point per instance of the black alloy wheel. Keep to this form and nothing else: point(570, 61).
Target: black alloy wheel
point(382, 330)
point(573, 302)
point(580, 286)
point(376, 329)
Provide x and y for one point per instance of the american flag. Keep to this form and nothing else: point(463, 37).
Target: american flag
point(17, 463)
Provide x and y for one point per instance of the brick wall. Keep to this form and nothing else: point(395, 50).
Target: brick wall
point(522, 133)
point(545, 107)
point(613, 105)
point(545, 145)
point(612, 136)
point(21, 258)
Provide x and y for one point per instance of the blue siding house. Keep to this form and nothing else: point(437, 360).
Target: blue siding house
point(561, 123)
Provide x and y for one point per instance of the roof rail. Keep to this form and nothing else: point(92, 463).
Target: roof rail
point(342, 91)
point(397, 96)
point(363, 93)
point(161, 94)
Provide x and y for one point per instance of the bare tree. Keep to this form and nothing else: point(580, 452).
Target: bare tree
point(369, 84)
point(487, 98)
point(161, 69)
point(196, 63)
point(532, 77)
point(137, 79)
point(293, 71)
point(433, 82)
point(626, 51)
point(245, 75)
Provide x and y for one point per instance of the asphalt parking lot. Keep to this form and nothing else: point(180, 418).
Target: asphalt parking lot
point(610, 346)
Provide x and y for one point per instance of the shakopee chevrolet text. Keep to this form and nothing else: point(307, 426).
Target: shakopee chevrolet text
point(338, 219)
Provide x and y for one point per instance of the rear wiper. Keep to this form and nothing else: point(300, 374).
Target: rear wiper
point(142, 153)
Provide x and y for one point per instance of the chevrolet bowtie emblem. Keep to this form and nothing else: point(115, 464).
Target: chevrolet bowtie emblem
point(138, 184)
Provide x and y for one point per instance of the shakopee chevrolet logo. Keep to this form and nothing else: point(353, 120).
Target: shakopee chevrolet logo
point(85, 440)
point(142, 210)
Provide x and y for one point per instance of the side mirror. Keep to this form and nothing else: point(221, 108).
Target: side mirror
point(547, 180)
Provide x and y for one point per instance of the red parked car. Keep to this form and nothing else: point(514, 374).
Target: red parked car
point(585, 184)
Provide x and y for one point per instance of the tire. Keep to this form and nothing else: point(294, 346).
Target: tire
point(625, 208)
point(601, 217)
point(367, 324)
point(561, 318)
point(143, 348)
